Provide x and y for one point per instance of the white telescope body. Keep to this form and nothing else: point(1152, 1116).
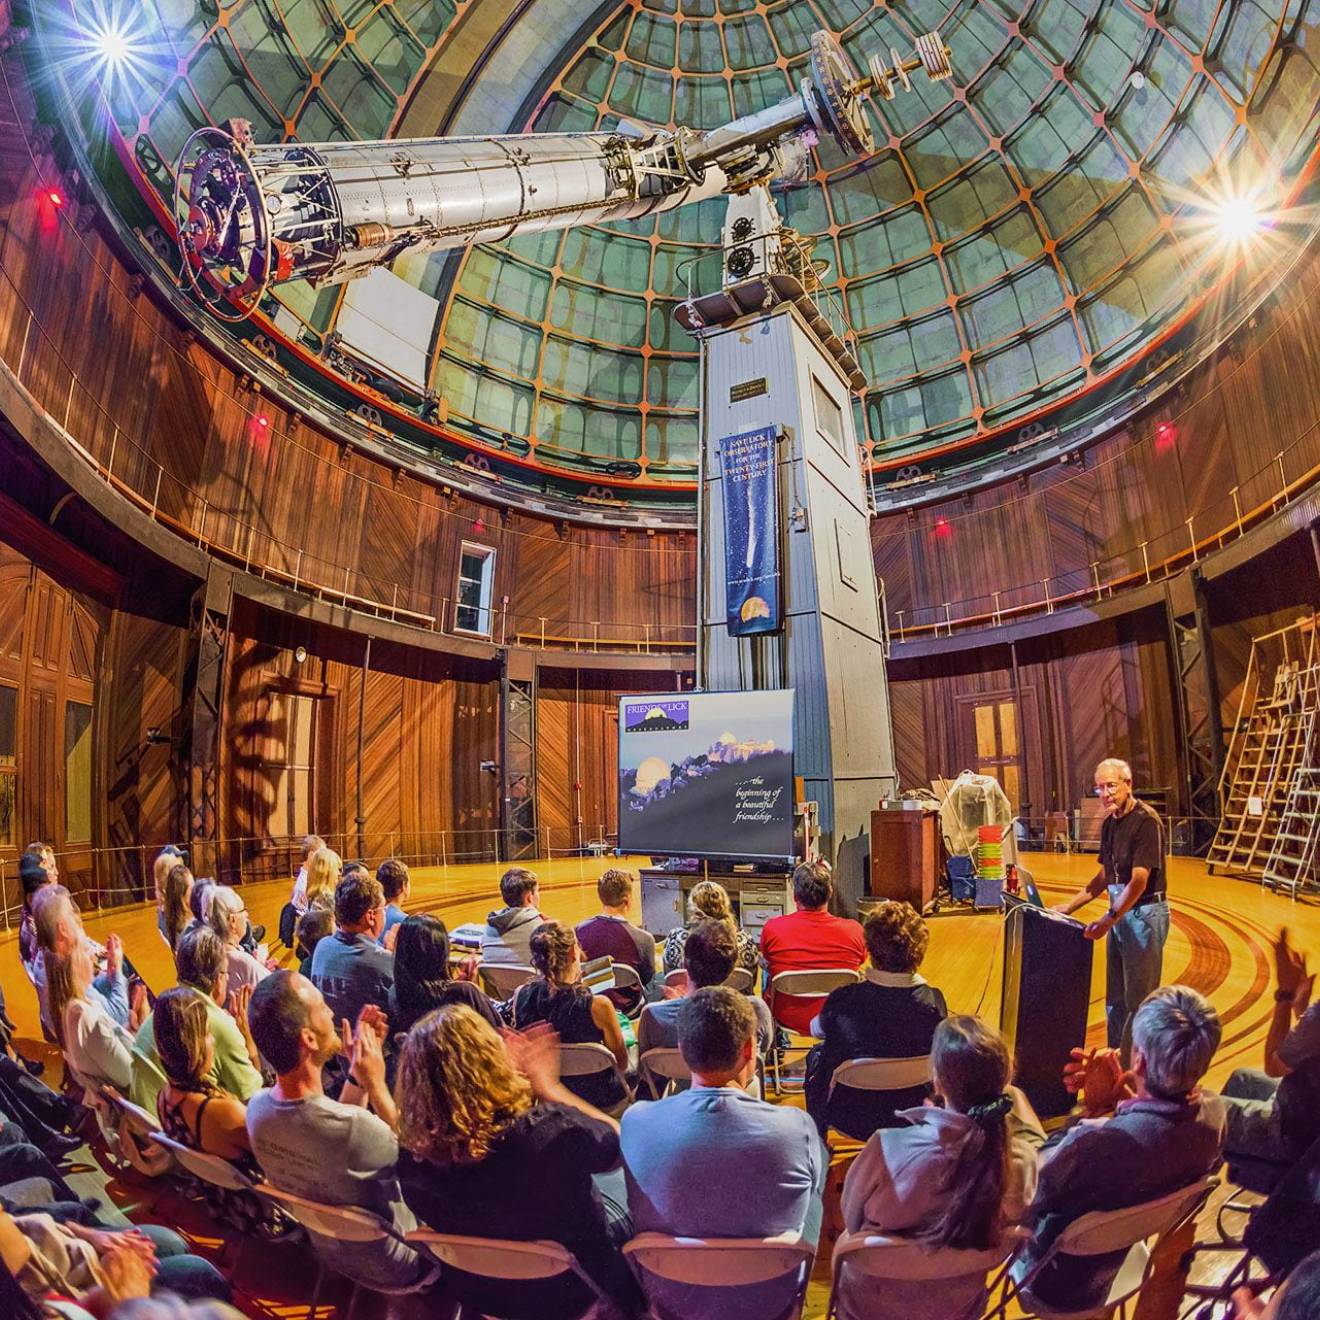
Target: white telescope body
point(251, 216)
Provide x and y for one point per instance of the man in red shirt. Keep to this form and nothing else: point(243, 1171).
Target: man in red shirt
point(810, 939)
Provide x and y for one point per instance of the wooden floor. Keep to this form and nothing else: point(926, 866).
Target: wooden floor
point(1220, 944)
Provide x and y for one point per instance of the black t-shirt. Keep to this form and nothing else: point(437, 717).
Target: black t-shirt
point(535, 1184)
point(405, 1011)
point(1133, 839)
point(870, 1021)
point(568, 1009)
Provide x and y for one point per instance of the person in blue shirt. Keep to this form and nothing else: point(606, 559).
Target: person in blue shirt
point(767, 1161)
point(393, 877)
point(349, 967)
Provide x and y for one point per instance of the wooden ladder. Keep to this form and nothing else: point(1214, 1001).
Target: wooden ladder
point(1268, 749)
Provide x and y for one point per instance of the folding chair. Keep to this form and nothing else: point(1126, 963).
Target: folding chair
point(723, 1263)
point(588, 1058)
point(665, 1065)
point(341, 1223)
point(1097, 1234)
point(880, 1075)
point(862, 1262)
point(500, 980)
point(678, 978)
point(807, 984)
point(626, 978)
point(509, 1261)
point(741, 980)
point(133, 1129)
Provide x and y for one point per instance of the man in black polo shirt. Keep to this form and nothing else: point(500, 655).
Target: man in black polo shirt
point(1131, 870)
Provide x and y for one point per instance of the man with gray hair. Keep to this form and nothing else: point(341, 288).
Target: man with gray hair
point(1146, 1133)
point(1132, 872)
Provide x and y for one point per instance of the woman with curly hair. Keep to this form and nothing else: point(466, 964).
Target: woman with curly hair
point(559, 998)
point(492, 1144)
point(709, 901)
point(890, 1014)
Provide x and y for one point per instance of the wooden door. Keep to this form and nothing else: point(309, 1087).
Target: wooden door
point(991, 730)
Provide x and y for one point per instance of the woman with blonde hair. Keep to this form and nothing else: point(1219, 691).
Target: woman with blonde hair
point(493, 1144)
point(578, 1017)
point(323, 873)
point(709, 901)
point(86, 1019)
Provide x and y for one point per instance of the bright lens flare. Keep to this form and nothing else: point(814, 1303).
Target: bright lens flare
point(113, 45)
point(1238, 219)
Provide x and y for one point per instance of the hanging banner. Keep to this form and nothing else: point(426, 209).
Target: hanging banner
point(751, 533)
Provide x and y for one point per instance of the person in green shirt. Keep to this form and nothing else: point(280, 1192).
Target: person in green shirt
point(201, 962)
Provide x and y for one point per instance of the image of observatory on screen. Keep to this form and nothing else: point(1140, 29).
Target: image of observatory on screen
point(707, 774)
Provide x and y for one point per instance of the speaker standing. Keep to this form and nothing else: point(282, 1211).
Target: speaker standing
point(1132, 871)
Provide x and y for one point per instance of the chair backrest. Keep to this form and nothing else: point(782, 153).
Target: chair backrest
point(500, 980)
point(665, 1063)
point(209, 1168)
point(741, 980)
point(880, 1257)
point(495, 1258)
point(882, 1074)
point(343, 1223)
point(720, 1262)
point(135, 1118)
point(625, 977)
point(584, 1059)
point(678, 977)
point(1104, 1231)
point(814, 983)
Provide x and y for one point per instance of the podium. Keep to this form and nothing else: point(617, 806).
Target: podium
point(1046, 994)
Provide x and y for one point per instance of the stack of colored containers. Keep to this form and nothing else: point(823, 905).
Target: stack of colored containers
point(989, 868)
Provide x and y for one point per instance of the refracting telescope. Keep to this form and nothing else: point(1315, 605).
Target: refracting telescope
point(250, 216)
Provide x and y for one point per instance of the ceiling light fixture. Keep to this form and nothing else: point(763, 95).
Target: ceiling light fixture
point(1238, 218)
point(113, 45)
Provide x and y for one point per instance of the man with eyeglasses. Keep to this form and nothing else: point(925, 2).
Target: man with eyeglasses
point(1132, 872)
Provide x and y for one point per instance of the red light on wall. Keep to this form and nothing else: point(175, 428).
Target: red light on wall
point(943, 529)
point(263, 421)
point(54, 197)
point(478, 525)
point(1166, 433)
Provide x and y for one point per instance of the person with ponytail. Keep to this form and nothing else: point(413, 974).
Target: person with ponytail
point(956, 1174)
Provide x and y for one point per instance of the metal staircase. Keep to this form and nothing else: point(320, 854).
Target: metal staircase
point(1265, 804)
point(1292, 861)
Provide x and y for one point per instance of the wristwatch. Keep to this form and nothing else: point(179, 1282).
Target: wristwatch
point(1283, 996)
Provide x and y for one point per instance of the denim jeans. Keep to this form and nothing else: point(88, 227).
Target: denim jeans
point(1255, 1126)
point(1134, 964)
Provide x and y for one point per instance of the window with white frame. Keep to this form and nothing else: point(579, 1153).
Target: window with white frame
point(476, 584)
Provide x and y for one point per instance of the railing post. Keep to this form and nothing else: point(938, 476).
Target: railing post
point(898, 614)
point(997, 616)
point(201, 526)
point(595, 635)
point(504, 621)
point(1145, 559)
point(155, 499)
point(1049, 604)
point(948, 618)
point(1095, 579)
point(114, 444)
point(542, 633)
point(394, 604)
point(1191, 538)
point(68, 402)
point(345, 593)
point(646, 640)
point(247, 557)
point(1237, 510)
point(22, 352)
point(297, 569)
point(1283, 476)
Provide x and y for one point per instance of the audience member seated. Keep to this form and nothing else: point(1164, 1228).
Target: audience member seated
point(336, 1152)
point(1274, 1115)
point(953, 1174)
point(311, 845)
point(891, 1014)
point(59, 927)
point(1164, 1134)
point(708, 900)
point(807, 940)
point(98, 1266)
point(495, 1146)
point(197, 1113)
point(229, 919)
point(715, 1162)
point(191, 1107)
point(708, 958)
point(394, 882)
point(33, 876)
point(87, 1018)
point(611, 935)
point(558, 997)
point(313, 926)
point(176, 904)
point(166, 860)
point(350, 968)
point(201, 964)
point(28, 1176)
point(324, 872)
point(1297, 1299)
point(508, 934)
point(422, 980)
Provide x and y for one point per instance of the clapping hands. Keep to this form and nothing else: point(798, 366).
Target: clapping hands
point(535, 1054)
point(1099, 1077)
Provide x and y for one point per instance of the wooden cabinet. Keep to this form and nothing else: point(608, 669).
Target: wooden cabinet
point(904, 856)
